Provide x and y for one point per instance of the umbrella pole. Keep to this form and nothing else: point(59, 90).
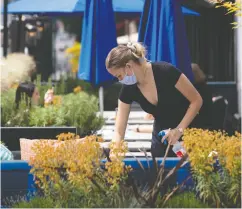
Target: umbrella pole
point(19, 29)
point(101, 100)
point(126, 29)
point(238, 52)
point(5, 28)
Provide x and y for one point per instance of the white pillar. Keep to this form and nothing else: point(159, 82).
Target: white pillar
point(101, 100)
point(238, 48)
point(26, 50)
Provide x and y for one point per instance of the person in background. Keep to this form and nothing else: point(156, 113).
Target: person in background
point(144, 128)
point(74, 53)
point(204, 119)
point(49, 97)
point(159, 88)
point(27, 91)
point(149, 116)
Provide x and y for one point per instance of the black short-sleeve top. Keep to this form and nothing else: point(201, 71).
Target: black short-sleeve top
point(171, 106)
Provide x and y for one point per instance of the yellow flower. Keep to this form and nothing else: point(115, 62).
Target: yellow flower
point(201, 143)
point(57, 100)
point(231, 8)
point(81, 161)
point(66, 136)
point(14, 85)
point(74, 52)
point(77, 89)
point(46, 104)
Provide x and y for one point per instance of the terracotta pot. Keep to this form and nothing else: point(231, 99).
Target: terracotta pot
point(26, 146)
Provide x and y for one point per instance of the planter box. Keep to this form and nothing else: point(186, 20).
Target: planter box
point(16, 179)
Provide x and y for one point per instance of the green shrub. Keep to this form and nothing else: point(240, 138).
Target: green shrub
point(7, 106)
point(36, 202)
point(111, 92)
point(66, 86)
point(47, 116)
point(13, 117)
point(9, 115)
point(77, 110)
point(185, 200)
point(81, 112)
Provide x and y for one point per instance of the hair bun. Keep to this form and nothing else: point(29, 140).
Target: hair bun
point(132, 47)
point(119, 56)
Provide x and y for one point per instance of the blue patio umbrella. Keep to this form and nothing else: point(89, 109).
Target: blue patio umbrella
point(162, 30)
point(51, 7)
point(98, 38)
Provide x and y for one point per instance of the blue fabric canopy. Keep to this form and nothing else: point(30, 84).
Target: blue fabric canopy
point(46, 6)
point(75, 6)
point(98, 38)
point(162, 30)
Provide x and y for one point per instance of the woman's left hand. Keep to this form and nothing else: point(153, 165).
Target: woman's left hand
point(172, 136)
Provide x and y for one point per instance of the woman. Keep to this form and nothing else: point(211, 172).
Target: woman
point(202, 120)
point(159, 88)
point(27, 91)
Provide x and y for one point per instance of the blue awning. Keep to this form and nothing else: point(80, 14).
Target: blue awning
point(76, 6)
point(46, 6)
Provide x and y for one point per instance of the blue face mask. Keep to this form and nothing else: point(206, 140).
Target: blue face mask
point(129, 80)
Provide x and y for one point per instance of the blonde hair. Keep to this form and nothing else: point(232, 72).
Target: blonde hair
point(119, 56)
point(199, 76)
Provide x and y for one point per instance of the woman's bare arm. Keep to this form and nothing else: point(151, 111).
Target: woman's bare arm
point(121, 121)
point(189, 91)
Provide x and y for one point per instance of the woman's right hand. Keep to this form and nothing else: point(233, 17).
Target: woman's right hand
point(120, 127)
point(116, 149)
point(115, 156)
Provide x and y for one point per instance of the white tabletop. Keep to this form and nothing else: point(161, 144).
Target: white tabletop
point(129, 135)
point(129, 127)
point(131, 121)
point(132, 146)
point(135, 117)
point(132, 114)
